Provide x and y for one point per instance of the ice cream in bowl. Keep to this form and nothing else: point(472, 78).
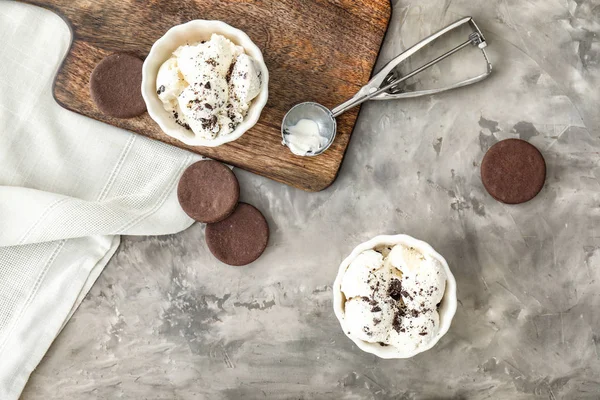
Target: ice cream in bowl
point(394, 296)
point(205, 83)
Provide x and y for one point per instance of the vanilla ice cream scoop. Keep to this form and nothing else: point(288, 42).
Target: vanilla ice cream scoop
point(245, 79)
point(169, 81)
point(366, 270)
point(414, 330)
point(304, 138)
point(423, 277)
point(201, 103)
point(216, 54)
point(370, 319)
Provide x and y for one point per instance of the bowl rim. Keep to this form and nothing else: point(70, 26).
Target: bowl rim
point(449, 301)
point(167, 44)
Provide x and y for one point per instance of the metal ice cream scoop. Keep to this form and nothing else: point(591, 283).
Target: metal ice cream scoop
point(385, 85)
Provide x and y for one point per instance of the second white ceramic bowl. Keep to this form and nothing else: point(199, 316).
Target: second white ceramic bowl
point(447, 307)
point(162, 50)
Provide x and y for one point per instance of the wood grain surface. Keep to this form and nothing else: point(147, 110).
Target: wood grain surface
point(318, 50)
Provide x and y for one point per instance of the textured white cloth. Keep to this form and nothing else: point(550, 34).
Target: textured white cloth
point(68, 186)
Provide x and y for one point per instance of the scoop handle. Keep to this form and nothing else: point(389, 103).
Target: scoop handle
point(361, 98)
point(372, 88)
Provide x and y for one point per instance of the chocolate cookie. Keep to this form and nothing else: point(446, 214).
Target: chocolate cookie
point(513, 171)
point(240, 238)
point(208, 191)
point(116, 86)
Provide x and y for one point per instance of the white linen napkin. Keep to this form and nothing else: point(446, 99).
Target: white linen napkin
point(68, 187)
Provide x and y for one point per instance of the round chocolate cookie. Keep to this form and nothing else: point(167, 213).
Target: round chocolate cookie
point(116, 86)
point(208, 191)
point(513, 171)
point(240, 238)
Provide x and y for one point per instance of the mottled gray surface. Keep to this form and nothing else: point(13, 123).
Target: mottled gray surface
point(167, 321)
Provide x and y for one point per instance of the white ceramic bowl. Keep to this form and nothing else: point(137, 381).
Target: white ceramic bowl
point(446, 310)
point(161, 51)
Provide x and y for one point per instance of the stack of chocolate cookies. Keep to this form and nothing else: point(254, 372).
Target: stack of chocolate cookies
point(236, 233)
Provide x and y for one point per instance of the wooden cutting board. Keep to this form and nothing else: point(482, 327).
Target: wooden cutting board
point(319, 50)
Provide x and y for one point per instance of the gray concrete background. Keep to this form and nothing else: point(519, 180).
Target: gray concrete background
point(167, 321)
